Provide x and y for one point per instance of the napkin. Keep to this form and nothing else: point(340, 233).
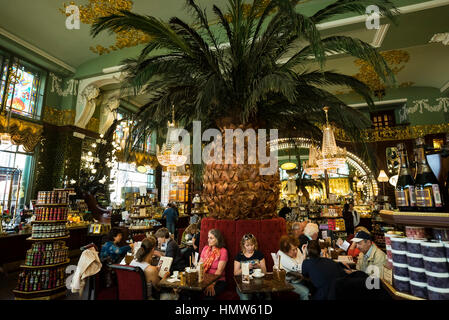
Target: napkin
point(275, 259)
point(172, 279)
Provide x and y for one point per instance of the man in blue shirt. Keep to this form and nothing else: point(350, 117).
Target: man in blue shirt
point(171, 218)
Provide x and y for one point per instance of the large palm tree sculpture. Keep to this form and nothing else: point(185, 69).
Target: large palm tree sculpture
point(250, 70)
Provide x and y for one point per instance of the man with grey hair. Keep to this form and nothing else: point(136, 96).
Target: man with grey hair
point(310, 234)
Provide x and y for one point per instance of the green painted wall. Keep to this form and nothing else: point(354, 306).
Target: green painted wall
point(412, 94)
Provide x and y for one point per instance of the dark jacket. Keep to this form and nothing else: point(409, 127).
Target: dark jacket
point(284, 211)
point(172, 250)
point(349, 221)
point(170, 215)
point(323, 273)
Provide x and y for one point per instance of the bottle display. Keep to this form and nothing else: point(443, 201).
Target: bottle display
point(427, 189)
point(405, 186)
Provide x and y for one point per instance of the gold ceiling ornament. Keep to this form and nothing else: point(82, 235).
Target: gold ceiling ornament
point(395, 59)
point(247, 10)
point(102, 8)
point(331, 157)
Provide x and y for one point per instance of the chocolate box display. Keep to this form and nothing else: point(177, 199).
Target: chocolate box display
point(417, 274)
point(415, 232)
point(400, 270)
point(418, 289)
point(415, 260)
point(399, 256)
point(438, 280)
point(414, 245)
point(401, 284)
point(435, 264)
point(437, 293)
point(399, 243)
point(433, 249)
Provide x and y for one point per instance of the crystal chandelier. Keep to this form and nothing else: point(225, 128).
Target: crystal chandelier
point(331, 157)
point(167, 156)
point(311, 167)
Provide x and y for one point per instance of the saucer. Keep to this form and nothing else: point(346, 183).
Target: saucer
point(258, 276)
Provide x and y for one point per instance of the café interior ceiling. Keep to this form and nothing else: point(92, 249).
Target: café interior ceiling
point(35, 23)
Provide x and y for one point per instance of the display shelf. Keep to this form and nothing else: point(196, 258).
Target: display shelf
point(139, 229)
point(329, 217)
point(29, 293)
point(49, 221)
point(422, 219)
point(48, 239)
point(398, 294)
point(142, 205)
point(140, 217)
point(51, 205)
point(45, 266)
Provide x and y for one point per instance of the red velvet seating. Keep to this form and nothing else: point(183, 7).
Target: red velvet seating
point(139, 237)
point(131, 282)
point(268, 232)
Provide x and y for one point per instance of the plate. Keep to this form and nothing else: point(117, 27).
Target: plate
point(259, 276)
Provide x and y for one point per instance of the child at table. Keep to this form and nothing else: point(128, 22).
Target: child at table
point(251, 255)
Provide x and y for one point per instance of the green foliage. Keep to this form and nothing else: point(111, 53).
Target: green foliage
point(241, 71)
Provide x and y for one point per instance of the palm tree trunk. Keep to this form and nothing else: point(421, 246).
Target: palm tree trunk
point(238, 191)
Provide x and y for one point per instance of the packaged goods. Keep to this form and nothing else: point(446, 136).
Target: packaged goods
point(435, 293)
point(433, 249)
point(415, 260)
point(438, 280)
point(418, 289)
point(399, 256)
point(441, 234)
point(415, 232)
point(401, 284)
point(417, 274)
point(435, 264)
point(399, 243)
point(400, 270)
point(414, 245)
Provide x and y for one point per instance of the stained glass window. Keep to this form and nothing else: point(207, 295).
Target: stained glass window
point(22, 92)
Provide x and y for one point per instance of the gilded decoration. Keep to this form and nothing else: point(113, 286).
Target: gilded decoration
point(101, 8)
point(140, 158)
point(395, 133)
point(66, 118)
point(22, 132)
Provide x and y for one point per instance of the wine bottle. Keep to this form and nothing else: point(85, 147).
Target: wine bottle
point(405, 186)
point(427, 189)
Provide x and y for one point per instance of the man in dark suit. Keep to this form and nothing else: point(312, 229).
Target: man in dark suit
point(285, 210)
point(172, 249)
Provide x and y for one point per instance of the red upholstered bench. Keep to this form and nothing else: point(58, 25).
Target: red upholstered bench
point(268, 232)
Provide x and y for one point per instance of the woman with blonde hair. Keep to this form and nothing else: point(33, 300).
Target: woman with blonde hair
point(250, 255)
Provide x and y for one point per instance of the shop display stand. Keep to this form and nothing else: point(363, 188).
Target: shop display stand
point(419, 219)
point(33, 278)
point(136, 216)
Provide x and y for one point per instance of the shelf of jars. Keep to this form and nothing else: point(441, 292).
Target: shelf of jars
point(43, 276)
point(415, 218)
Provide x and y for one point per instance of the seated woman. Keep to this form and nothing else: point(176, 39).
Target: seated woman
point(172, 249)
point(251, 255)
point(143, 261)
point(110, 252)
point(215, 256)
point(322, 272)
point(288, 253)
point(192, 235)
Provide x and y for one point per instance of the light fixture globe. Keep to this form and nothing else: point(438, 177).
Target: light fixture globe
point(288, 166)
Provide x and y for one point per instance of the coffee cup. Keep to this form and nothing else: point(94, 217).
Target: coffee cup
point(258, 272)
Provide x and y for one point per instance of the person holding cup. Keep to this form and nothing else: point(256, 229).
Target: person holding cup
point(253, 257)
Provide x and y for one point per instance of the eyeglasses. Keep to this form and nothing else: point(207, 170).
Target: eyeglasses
point(248, 236)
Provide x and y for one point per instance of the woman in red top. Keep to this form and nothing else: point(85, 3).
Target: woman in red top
point(215, 256)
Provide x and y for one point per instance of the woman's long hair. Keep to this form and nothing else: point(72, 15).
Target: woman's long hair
point(147, 245)
point(220, 239)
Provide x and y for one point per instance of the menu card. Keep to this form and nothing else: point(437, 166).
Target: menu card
point(245, 272)
point(164, 264)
